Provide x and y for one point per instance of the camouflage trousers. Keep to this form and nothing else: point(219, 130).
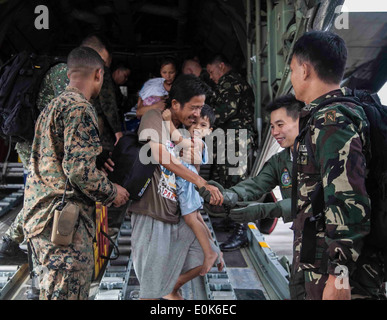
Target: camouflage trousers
point(366, 281)
point(231, 159)
point(64, 272)
point(15, 230)
point(314, 284)
point(371, 289)
point(296, 283)
point(23, 149)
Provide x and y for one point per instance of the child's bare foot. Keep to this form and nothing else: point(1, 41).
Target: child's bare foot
point(209, 260)
point(220, 265)
point(174, 295)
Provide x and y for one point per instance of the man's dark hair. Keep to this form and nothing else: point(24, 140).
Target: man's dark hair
point(219, 58)
point(84, 59)
point(120, 66)
point(289, 102)
point(190, 60)
point(168, 60)
point(326, 52)
point(94, 41)
point(208, 112)
point(185, 87)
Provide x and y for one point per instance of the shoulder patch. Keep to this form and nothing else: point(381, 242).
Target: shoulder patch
point(285, 178)
point(227, 85)
point(330, 117)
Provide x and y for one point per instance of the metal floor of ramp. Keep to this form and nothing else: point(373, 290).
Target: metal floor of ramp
point(254, 273)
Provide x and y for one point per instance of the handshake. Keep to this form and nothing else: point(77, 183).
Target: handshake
point(241, 211)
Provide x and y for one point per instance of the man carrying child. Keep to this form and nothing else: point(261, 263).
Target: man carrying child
point(166, 253)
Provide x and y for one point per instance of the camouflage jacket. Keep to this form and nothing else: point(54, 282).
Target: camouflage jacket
point(66, 144)
point(234, 103)
point(339, 138)
point(53, 84)
point(277, 171)
point(108, 116)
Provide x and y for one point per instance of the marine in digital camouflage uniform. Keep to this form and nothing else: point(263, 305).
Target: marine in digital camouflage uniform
point(233, 103)
point(107, 110)
point(66, 144)
point(339, 140)
point(53, 84)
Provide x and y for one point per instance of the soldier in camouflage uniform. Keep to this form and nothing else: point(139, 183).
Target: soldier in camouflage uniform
point(108, 115)
point(332, 156)
point(53, 84)
point(277, 171)
point(105, 104)
point(66, 145)
point(192, 66)
point(233, 103)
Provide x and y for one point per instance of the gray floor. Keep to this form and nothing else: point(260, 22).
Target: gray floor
point(243, 278)
point(281, 240)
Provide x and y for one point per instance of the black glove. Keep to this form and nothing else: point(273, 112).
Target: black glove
point(205, 194)
point(215, 211)
point(230, 198)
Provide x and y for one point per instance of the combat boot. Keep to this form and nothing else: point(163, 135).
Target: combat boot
point(11, 252)
point(33, 293)
point(237, 240)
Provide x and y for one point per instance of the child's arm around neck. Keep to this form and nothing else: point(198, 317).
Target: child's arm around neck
point(175, 134)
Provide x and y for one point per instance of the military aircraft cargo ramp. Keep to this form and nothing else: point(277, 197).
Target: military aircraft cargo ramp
point(261, 275)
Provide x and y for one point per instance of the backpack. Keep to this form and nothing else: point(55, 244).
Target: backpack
point(376, 180)
point(20, 79)
point(129, 171)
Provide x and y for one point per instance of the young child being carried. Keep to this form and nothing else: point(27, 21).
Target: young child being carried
point(189, 199)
